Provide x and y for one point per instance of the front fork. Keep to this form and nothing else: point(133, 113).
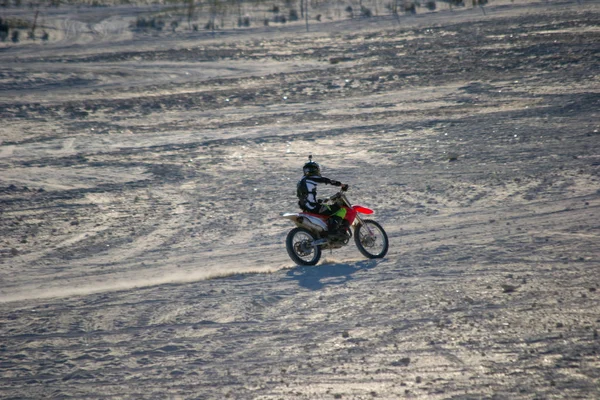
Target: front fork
point(360, 221)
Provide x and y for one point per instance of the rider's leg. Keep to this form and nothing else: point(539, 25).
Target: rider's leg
point(334, 222)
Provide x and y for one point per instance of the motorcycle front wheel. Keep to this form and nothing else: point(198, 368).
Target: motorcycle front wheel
point(371, 239)
point(299, 244)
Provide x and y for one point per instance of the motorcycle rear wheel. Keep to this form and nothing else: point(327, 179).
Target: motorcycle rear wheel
point(300, 248)
point(373, 244)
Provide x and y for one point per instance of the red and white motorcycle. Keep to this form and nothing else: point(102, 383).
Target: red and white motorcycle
point(305, 242)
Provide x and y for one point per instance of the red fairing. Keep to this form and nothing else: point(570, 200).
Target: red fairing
point(350, 215)
point(362, 210)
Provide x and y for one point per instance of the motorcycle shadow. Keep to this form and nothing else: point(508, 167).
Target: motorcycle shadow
point(317, 277)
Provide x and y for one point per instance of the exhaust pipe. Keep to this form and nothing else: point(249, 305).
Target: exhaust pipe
point(312, 223)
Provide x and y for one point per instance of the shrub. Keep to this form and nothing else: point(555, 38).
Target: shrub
point(266, 22)
point(410, 8)
point(143, 23)
point(365, 12)
point(430, 5)
point(275, 9)
point(318, 17)
point(45, 36)
point(15, 36)
point(293, 16)
point(350, 11)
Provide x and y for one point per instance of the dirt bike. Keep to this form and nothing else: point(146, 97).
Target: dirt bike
point(305, 242)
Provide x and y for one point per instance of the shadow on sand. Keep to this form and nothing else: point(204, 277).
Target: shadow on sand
point(317, 277)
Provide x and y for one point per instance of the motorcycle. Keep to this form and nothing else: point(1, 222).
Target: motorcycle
point(306, 242)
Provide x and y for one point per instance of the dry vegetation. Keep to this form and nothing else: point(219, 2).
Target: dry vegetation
point(30, 22)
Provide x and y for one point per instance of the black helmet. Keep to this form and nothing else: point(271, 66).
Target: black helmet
point(311, 168)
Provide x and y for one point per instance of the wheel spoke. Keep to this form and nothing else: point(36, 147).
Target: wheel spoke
point(303, 246)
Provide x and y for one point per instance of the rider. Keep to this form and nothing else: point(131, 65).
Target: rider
point(307, 197)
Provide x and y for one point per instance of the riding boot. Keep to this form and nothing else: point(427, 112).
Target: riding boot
point(334, 225)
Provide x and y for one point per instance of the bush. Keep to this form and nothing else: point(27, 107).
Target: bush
point(430, 5)
point(410, 8)
point(45, 36)
point(143, 23)
point(318, 17)
point(280, 19)
point(350, 11)
point(15, 36)
point(293, 15)
point(266, 22)
point(275, 9)
point(244, 21)
point(365, 12)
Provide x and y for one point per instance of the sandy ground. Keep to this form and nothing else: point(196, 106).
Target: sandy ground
point(142, 177)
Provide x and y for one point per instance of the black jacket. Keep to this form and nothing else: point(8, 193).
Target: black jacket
point(306, 191)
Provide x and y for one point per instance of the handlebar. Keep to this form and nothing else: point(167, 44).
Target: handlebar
point(337, 195)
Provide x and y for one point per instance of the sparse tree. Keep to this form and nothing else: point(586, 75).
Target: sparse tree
point(214, 8)
point(33, 26)
point(306, 15)
point(191, 7)
point(3, 30)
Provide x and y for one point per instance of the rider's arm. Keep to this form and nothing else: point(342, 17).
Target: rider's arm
point(322, 179)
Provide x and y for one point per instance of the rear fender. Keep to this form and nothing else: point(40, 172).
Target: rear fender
point(307, 221)
point(291, 216)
